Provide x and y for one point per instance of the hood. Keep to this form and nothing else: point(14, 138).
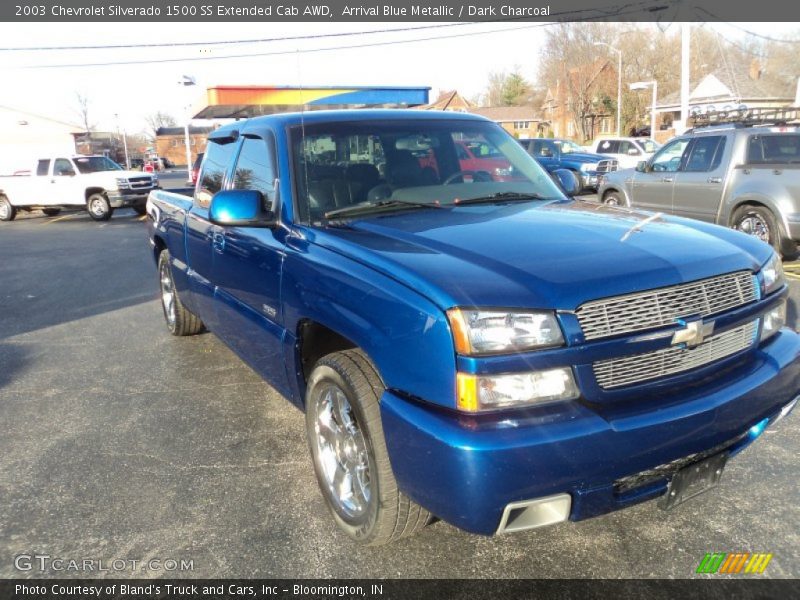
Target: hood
point(584, 157)
point(556, 255)
point(131, 174)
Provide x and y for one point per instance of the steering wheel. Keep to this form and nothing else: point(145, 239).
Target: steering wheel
point(458, 174)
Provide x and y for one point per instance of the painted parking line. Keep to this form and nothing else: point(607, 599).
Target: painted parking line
point(142, 218)
point(61, 218)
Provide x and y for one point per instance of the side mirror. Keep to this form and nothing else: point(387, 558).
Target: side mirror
point(568, 181)
point(633, 152)
point(641, 166)
point(240, 208)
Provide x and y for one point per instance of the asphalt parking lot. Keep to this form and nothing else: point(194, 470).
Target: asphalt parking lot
point(118, 441)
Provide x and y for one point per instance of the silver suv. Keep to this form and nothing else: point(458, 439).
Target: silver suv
point(743, 177)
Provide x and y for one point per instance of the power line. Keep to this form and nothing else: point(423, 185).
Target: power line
point(611, 10)
point(618, 10)
point(232, 42)
point(721, 21)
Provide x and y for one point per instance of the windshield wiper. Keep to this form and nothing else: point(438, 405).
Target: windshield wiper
point(502, 197)
point(371, 207)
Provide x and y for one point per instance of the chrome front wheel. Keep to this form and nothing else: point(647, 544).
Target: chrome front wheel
point(348, 449)
point(343, 454)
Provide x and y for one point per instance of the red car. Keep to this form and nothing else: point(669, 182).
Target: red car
point(474, 156)
point(196, 167)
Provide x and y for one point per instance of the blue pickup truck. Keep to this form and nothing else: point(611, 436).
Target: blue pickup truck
point(556, 154)
point(491, 353)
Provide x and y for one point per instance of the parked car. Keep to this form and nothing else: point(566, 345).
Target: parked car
point(196, 168)
point(555, 154)
point(137, 164)
point(488, 352)
point(747, 178)
point(94, 182)
point(626, 151)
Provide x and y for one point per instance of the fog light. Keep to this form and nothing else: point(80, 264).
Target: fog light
point(491, 392)
point(773, 321)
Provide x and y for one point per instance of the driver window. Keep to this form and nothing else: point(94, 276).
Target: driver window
point(670, 156)
point(63, 168)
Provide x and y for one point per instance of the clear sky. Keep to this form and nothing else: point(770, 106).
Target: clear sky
point(134, 91)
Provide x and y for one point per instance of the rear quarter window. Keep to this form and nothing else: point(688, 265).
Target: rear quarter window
point(773, 149)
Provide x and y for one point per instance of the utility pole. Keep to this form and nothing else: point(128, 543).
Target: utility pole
point(685, 29)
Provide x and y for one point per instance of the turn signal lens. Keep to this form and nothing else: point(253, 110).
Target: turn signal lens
point(491, 392)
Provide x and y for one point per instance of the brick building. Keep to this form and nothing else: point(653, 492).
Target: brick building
point(171, 142)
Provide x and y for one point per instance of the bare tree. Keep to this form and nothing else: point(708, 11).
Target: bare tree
point(83, 112)
point(582, 77)
point(157, 120)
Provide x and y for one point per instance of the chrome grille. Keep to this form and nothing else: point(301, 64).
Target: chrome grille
point(660, 307)
point(618, 372)
point(137, 183)
point(604, 166)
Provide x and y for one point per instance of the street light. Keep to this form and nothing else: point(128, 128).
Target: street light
point(619, 84)
point(188, 81)
point(643, 85)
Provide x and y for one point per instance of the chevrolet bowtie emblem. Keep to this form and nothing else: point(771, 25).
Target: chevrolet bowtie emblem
point(693, 334)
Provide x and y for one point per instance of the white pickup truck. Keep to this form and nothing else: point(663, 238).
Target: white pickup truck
point(94, 182)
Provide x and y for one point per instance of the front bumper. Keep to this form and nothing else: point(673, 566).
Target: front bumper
point(467, 469)
point(125, 198)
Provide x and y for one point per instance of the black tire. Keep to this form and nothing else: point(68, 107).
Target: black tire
point(51, 212)
point(581, 183)
point(613, 198)
point(758, 221)
point(140, 209)
point(98, 207)
point(387, 514)
point(179, 320)
point(7, 212)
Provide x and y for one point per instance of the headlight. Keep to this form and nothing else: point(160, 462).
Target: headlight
point(490, 392)
point(122, 184)
point(773, 321)
point(494, 332)
point(772, 274)
point(589, 167)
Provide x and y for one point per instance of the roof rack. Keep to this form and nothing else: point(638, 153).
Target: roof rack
point(747, 117)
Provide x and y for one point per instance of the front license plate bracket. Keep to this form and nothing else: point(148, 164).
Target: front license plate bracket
point(692, 480)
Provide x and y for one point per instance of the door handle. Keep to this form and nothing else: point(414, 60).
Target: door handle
point(714, 180)
point(218, 242)
point(666, 179)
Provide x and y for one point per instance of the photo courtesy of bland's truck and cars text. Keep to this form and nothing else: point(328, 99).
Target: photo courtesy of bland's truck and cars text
point(385, 299)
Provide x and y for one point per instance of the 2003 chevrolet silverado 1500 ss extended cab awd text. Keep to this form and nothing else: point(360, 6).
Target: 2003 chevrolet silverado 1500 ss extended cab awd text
point(489, 352)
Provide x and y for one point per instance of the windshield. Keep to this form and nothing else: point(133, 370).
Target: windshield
point(567, 146)
point(93, 164)
point(649, 146)
point(400, 163)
